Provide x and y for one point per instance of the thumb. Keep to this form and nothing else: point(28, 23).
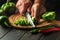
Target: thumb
point(23, 9)
point(29, 9)
point(32, 12)
point(36, 11)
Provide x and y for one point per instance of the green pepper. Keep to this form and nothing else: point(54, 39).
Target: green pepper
point(35, 31)
point(24, 21)
point(9, 8)
point(4, 21)
point(21, 22)
point(49, 16)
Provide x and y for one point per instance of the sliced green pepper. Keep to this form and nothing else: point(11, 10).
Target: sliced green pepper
point(24, 21)
point(34, 20)
point(49, 16)
point(35, 31)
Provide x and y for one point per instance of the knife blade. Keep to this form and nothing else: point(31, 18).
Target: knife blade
point(29, 19)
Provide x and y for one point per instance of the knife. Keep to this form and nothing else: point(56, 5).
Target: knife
point(29, 19)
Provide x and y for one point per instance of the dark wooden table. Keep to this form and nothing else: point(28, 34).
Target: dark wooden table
point(19, 34)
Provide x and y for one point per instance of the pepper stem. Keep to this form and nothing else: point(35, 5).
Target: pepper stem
point(7, 1)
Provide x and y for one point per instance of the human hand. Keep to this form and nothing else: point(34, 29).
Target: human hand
point(23, 6)
point(37, 10)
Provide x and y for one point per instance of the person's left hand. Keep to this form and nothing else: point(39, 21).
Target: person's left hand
point(36, 10)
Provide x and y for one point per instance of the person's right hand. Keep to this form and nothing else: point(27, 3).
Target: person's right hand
point(23, 6)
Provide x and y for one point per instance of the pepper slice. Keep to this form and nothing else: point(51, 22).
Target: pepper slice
point(23, 21)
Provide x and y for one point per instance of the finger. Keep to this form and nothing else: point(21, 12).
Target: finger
point(29, 9)
point(32, 12)
point(18, 4)
point(37, 13)
point(23, 9)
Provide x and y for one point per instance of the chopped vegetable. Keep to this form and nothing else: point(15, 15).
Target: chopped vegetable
point(49, 16)
point(24, 21)
point(34, 21)
point(35, 31)
point(50, 30)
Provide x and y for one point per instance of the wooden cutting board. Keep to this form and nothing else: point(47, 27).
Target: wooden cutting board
point(41, 23)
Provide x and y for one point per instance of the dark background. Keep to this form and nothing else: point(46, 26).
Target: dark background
point(51, 5)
